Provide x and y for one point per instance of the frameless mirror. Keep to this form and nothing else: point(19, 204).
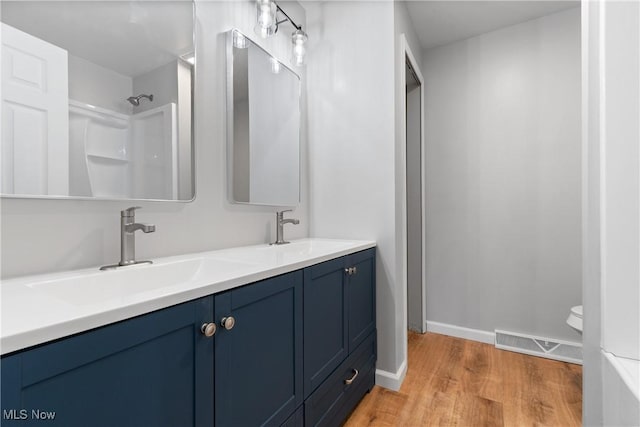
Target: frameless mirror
point(263, 130)
point(97, 99)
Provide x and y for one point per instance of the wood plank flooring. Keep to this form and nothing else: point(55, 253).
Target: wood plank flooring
point(456, 382)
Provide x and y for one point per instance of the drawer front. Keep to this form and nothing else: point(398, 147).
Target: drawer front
point(295, 420)
point(335, 398)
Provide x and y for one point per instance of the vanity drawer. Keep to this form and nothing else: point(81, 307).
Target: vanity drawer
point(335, 399)
point(295, 420)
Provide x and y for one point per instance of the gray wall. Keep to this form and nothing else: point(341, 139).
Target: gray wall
point(411, 222)
point(161, 82)
point(504, 178)
point(96, 85)
point(40, 236)
point(351, 138)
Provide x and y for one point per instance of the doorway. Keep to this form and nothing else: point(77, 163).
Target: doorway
point(414, 196)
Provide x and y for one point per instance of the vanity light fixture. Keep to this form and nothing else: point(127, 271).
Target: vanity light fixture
point(299, 39)
point(239, 41)
point(267, 21)
point(275, 65)
point(267, 25)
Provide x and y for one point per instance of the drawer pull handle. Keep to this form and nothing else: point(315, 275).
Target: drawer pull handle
point(353, 378)
point(208, 329)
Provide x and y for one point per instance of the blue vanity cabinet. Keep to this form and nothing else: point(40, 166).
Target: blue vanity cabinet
point(339, 313)
point(340, 336)
point(293, 350)
point(153, 370)
point(258, 369)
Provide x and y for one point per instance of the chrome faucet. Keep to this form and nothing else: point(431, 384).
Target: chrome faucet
point(280, 222)
point(128, 227)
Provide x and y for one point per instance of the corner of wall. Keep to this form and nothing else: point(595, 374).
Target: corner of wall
point(392, 380)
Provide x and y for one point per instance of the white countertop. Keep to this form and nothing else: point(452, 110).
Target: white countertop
point(37, 309)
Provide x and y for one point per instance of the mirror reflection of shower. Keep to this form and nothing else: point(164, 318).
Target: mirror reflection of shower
point(135, 100)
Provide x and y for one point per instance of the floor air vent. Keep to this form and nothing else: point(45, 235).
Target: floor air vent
point(537, 346)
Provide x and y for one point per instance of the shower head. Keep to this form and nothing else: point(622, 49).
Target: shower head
point(135, 100)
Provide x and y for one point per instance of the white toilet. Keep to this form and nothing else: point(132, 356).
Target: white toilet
point(575, 318)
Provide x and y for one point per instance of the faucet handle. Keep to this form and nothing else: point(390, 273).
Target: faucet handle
point(280, 214)
point(130, 212)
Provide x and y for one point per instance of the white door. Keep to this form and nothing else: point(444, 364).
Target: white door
point(35, 115)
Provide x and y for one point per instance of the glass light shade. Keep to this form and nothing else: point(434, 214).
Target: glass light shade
point(266, 19)
point(239, 40)
point(299, 40)
point(275, 65)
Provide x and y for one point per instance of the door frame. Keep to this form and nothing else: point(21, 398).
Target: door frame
point(407, 55)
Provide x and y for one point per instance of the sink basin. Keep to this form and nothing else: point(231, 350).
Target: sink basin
point(295, 251)
point(308, 247)
point(135, 283)
point(128, 282)
point(40, 308)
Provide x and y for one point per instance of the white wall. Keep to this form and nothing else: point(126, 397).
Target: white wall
point(99, 86)
point(591, 283)
point(41, 236)
point(503, 187)
point(185, 131)
point(350, 74)
point(620, 192)
point(611, 114)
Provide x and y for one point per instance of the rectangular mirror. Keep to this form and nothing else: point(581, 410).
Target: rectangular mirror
point(97, 99)
point(263, 129)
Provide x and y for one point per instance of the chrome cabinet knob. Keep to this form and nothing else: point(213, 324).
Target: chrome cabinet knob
point(347, 271)
point(228, 322)
point(208, 329)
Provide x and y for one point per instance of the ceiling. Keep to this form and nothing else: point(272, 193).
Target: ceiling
point(130, 38)
point(441, 22)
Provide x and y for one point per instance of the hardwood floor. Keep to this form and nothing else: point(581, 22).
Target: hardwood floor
point(456, 382)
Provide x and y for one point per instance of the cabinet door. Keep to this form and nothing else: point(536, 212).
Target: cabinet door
point(325, 321)
point(361, 296)
point(258, 370)
point(153, 370)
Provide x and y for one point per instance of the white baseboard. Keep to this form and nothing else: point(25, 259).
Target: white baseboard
point(392, 380)
point(461, 332)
